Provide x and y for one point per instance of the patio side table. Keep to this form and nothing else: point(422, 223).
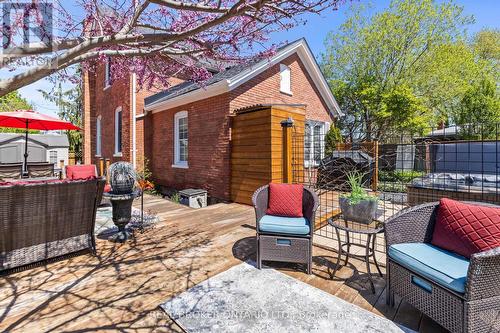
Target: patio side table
point(350, 228)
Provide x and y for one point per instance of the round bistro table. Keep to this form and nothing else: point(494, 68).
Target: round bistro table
point(370, 231)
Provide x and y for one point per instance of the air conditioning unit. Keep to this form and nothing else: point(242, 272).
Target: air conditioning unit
point(194, 198)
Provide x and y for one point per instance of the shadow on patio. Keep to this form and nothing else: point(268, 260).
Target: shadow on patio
point(121, 287)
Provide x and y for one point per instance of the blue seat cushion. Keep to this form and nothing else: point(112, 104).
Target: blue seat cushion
point(440, 266)
point(284, 225)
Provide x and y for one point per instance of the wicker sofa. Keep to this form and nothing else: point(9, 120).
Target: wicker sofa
point(470, 303)
point(284, 246)
point(44, 220)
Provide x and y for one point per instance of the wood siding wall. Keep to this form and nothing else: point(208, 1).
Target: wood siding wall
point(257, 148)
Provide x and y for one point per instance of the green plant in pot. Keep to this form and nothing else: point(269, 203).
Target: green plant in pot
point(358, 205)
point(122, 177)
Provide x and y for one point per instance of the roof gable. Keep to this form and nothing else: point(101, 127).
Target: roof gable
point(45, 140)
point(235, 76)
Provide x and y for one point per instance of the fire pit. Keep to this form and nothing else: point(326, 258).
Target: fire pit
point(122, 177)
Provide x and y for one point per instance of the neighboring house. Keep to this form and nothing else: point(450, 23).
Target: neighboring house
point(51, 148)
point(185, 131)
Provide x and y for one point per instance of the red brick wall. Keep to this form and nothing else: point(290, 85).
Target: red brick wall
point(208, 152)
point(265, 89)
point(142, 123)
point(208, 123)
point(106, 101)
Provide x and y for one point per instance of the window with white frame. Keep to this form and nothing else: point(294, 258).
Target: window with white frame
point(181, 139)
point(314, 142)
point(107, 73)
point(285, 79)
point(53, 156)
point(118, 131)
point(98, 136)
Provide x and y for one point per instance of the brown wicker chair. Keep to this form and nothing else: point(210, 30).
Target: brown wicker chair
point(475, 310)
point(11, 170)
point(40, 221)
point(285, 247)
point(42, 169)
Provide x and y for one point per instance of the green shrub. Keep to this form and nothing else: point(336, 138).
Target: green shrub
point(392, 187)
point(400, 176)
point(175, 198)
point(332, 137)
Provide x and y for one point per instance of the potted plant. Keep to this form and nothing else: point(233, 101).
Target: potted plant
point(358, 205)
point(122, 177)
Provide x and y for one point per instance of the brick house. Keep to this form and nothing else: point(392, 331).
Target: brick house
point(185, 131)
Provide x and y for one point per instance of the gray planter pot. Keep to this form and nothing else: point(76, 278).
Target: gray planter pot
point(362, 212)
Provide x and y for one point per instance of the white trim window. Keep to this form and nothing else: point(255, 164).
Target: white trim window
point(314, 142)
point(53, 157)
point(118, 131)
point(107, 73)
point(181, 139)
point(285, 79)
point(98, 137)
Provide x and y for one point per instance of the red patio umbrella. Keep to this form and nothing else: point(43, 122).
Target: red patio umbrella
point(31, 120)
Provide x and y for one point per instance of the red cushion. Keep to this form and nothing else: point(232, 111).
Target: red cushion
point(84, 171)
point(285, 200)
point(466, 228)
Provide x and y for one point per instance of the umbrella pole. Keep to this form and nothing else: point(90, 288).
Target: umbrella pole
point(26, 150)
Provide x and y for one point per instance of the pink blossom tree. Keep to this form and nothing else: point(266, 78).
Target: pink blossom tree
point(156, 39)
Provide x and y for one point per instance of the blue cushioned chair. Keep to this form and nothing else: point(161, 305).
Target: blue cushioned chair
point(287, 239)
point(461, 294)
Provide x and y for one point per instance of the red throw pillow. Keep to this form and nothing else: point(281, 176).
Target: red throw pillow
point(466, 228)
point(87, 171)
point(285, 200)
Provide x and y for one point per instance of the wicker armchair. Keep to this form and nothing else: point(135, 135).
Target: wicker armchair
point(477, 309)
point(40, 221)
point(11, 170)
point(42, 169)
point(280, 246)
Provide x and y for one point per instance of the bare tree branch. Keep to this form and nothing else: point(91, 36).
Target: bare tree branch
point(191, 6)
point(137, 13)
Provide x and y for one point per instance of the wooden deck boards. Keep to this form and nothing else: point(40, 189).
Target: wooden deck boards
point(121, 287)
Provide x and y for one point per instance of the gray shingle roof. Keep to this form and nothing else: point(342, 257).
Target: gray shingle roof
point(189, 86)
point(48, 140)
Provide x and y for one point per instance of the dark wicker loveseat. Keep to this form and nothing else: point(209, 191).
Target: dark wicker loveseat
point(475, 308)
point(44, 220)
point(285, 247)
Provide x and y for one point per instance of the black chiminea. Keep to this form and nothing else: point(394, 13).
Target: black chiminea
point(122, 177)
point(333, 170)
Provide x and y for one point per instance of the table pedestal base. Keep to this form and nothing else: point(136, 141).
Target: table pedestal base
point(369, 247)
point(121, 236)
point(122, 213)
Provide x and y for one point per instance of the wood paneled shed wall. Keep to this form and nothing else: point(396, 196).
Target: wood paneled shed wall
point(257, 147)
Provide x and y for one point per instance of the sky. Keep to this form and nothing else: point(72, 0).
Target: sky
point(486, 13)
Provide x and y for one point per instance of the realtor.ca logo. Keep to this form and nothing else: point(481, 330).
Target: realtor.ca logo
point(26, 25)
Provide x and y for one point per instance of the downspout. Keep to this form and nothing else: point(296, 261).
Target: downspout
point(134, 122)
